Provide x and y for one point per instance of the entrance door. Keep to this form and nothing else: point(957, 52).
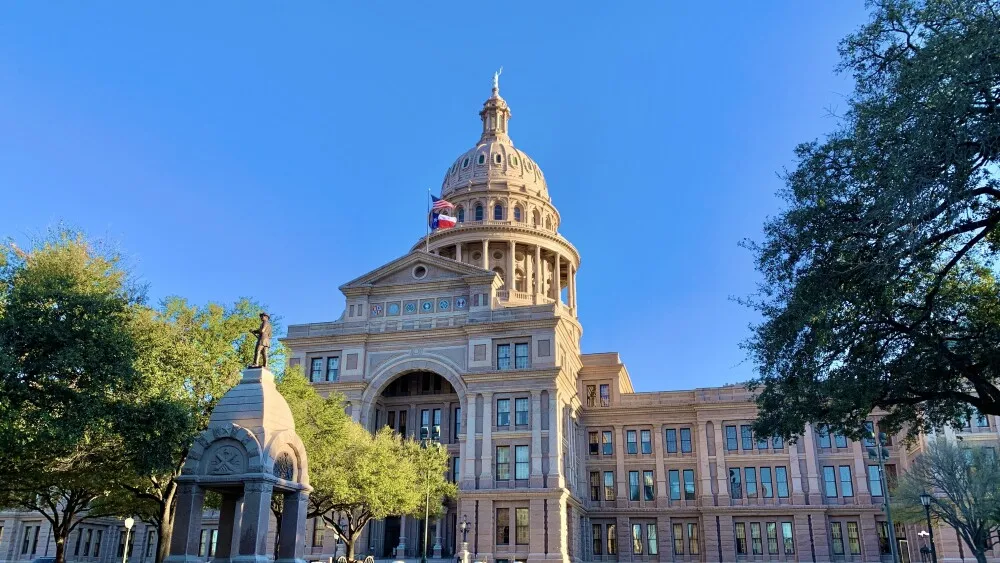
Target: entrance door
point(390, 537)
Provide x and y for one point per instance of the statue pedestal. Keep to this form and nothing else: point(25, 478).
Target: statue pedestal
point(463, 553)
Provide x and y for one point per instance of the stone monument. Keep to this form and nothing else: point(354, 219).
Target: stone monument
point(249, 453)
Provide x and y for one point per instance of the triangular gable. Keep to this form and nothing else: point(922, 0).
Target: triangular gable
point(400, 271)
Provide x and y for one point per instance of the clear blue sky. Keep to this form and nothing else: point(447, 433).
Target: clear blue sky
point(209, 137)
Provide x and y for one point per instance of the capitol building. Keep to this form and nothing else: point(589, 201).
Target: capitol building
point(471, 339)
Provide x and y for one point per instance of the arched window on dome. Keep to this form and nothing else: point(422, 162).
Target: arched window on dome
point(479, 212)
point(517, 214)
point(465, 162)
point(482, 159)
point(536, 217)
point(498, 212)
point(497, 158)
point(513, 160)
point(548, 222)
point(460, 212)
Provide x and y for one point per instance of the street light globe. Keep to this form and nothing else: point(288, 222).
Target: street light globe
point(129, 522)
point(925, 498)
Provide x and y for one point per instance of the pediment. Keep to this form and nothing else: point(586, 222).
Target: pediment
point(419, 267)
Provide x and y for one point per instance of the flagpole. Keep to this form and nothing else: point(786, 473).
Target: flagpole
point(427, 239)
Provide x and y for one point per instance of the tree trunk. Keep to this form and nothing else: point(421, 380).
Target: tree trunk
point(980, 556)
point(350, 545)
point(60, 546)
point(165, 531)
point(277, 530)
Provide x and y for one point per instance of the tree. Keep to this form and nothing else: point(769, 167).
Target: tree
point(879, 282)
point(965, 492)
point(74, 414)
point(193, 355)
point(358, 476)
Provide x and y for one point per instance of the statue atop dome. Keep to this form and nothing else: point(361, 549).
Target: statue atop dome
point(496, 79)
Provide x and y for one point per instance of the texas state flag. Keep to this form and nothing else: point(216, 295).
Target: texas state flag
point(442, 221)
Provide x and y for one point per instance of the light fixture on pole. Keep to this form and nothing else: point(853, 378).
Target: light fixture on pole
point(464, 527)
point(129, 522)
point(925, 499)
point(881, 453)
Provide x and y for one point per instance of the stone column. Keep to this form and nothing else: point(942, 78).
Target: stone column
point(529, 276)
point(254, 547)
point(486, 475)
point(510, 267)
point(458, 252)
point(187, 523)
point(621, 476)
point(556, 282)
point(539, 270)
point(555, 478)
point(661, 482)
point(469, 475)
point(572, 287)
point(229, 525)
point(536, 479)
point(401, 547)
point(720, 463)
point(437, 534)
point(796, 492)
point(811, 467)
point(486, 254)
point(291, 536)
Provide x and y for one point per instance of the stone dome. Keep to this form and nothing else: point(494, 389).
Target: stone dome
point(494, 160)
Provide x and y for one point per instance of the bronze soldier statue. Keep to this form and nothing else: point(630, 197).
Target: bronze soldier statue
point(263, 335)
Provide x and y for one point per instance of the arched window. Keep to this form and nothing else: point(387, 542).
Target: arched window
point(461, 214)
point(519, 281)
point(498, 212)
point(535, 217)
point(482, 158)
point(548, 222)
point(465, 163)
point(479, 212)
point(498, 158)
point(517, 214)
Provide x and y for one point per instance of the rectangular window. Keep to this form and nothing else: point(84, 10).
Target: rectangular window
point(595, 445)
point(606, 399)
point(425, 424)
point(592, 398)
point(27, 540)
point(651, 539)
point(202, 544)
point(609, 486)
point(751, 481)
point(686, 440)
point(853, 539)
point(612, 540)
point(746, 435)
point(633, 485)
point(741, 538)
point(402, 423)
point(595, 485)
point(755, 540)
point(522, 462)
point(317, 539)
point(981, 420)
point(883, 538)
point(874, 481)
point(772, 538)
point(679, 539)
point(645, 442)
point(846, 485)
point(521, 356)
point(503, 526)
point(631, 445)
point(332, 368)
point(735, 485)
point(761, 443)
point(824, 436)
point(503, 412)
point(607, 443)
point(458, 422)
point(637, 539)
point(731, 442)
point(840, 440)
point(150, 543)
point(869, 439)
point(436, 426)
point(674, 477)
point(837, 538)
point(503, 356)
point(689, 484)
point(97, 543)
point(316, 371)
point(781, 479)
point(788, 538)
point(766, 488)
point(86, 544)
point(693, 538)
point(454, 469)
point(890, 472)
point(521, 411)
point(598, 545)
point(778, 442)
point(521, 527)
point(79, 541)
point(503, 463)
point(648, 490)
point(671, 438)
point(829, 482)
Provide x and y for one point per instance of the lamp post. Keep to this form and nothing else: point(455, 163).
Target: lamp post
point(129, 522)
point(925, 499)
point(881, 453)
point(464, 527)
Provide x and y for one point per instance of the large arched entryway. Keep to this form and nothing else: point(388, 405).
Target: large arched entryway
point(422, 404)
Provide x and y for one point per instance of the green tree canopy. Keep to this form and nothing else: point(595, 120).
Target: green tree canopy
point(879, 278)
point(964, 484)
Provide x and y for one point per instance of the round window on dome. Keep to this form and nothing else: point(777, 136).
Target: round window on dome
point(477, 255)
point(482, 159)
point(498, 255)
